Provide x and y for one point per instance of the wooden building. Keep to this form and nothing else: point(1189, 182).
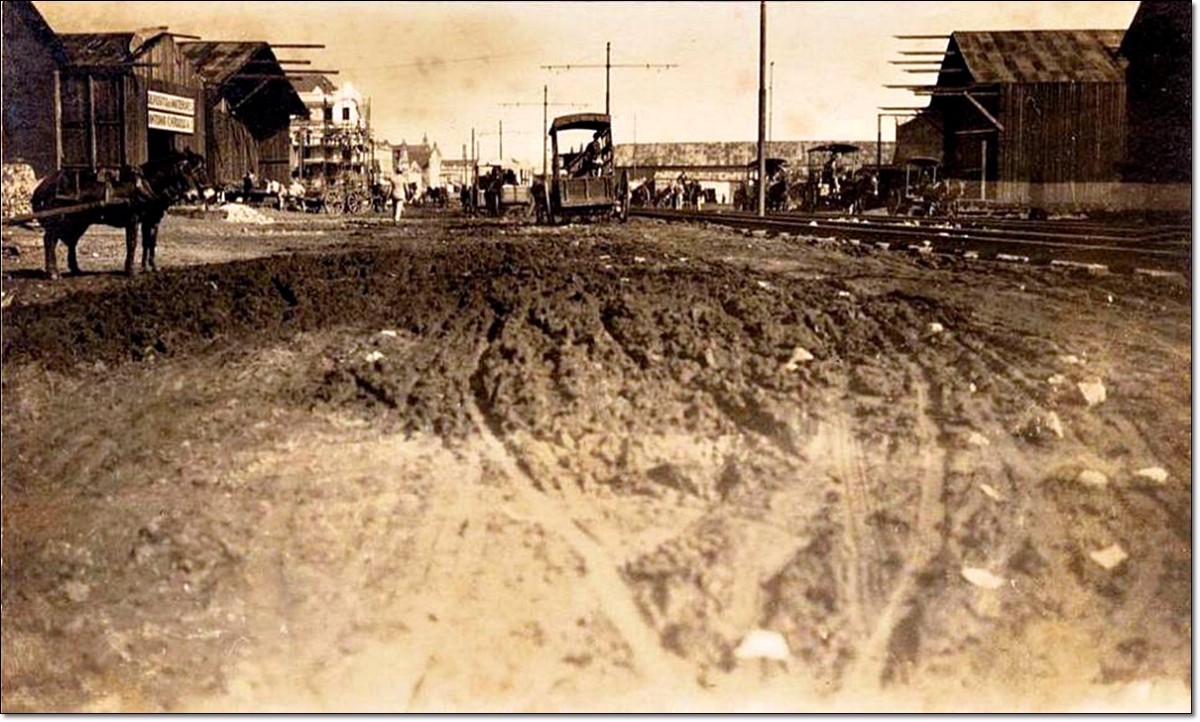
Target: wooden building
point(1158, 77)
point(919, 137)
point(32, 56)
point(126, 98)
point(249, 105)
point(1033, 117)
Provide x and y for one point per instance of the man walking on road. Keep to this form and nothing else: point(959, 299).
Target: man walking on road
point(397, 197)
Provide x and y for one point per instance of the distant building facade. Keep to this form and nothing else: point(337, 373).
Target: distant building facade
point(335, 141)
point(419, 164)
point(721, 166)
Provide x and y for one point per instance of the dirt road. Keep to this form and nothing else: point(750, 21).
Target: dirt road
point(474, 466)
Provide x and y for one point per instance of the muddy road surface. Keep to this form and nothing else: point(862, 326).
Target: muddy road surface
point(479, 466)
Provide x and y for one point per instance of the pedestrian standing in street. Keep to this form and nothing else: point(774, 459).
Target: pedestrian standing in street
point(397, 196)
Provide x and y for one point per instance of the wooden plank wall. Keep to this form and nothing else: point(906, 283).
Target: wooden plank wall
point(232, 151)
point(171, 72)
point(274, 156)
point(1062, 132)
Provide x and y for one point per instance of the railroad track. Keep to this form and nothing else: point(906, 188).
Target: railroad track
point(1120, 247)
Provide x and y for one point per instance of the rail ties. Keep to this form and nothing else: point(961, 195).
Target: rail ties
point(1122, 246)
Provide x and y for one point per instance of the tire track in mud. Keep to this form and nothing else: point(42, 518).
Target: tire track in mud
point(601, 573)
point(875, 659)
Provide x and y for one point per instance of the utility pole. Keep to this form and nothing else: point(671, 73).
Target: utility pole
point(771, 105)
point(545, 121)
point(607, 77)
point(762, 108)
point(608, 67)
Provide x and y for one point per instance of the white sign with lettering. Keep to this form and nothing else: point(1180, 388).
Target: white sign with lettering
point(172, 103)
point(171, 122)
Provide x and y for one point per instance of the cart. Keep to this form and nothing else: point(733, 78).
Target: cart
point(582, 183)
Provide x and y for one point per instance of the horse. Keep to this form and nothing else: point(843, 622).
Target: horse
point(643, 195)
point(145, 193)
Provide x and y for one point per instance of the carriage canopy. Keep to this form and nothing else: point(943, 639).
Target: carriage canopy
point(835, 148)
point(581, 121)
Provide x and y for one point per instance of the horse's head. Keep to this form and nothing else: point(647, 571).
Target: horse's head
point(177, 176)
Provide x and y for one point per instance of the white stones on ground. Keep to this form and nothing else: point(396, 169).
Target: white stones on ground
point(1056, 380)
point(799, 356)
point(1109, 557)
point(1053, 424)
point(763, 285)
point(1042, 426)
point(843, 294)
point(1156, 474)
point(936, 327)
point(971, 255)
point(1070, 360)
point(991, 492)
point(758, 234)
point(982, 578)
point(812, 224)
point(639, 259)
point(76, 591)
point(1092, 391)
point(763, 644)
point(373, 357)
point(388, 332)
point(1092, 478)
point(973, 388)
point(977, 439)
point(1110, 298)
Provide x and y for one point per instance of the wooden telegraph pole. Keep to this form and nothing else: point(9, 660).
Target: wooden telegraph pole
point(762, 108)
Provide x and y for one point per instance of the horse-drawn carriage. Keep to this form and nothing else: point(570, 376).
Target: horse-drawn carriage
point(499, 190)
point(915, 188)
point(582, 183)
point(67, 202)
point(830, 185)
point(745, 197)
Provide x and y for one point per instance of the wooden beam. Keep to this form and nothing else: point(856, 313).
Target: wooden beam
point(983, 110)
point(315, 46)
point(261, 84)
point(946, 53)
point(184, 35)
point(915, 62)
point(951, 93)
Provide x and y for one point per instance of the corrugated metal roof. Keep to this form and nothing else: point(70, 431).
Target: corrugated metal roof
point(98, 48)
point(1041, 56)
point(217, 61)
point(221, 64)
point(109, 48)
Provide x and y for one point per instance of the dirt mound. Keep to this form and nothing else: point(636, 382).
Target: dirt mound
point(670, 450)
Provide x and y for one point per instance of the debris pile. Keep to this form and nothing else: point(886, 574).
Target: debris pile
point(17, 182)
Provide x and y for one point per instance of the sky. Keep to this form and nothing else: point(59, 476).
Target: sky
point(439, 69)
